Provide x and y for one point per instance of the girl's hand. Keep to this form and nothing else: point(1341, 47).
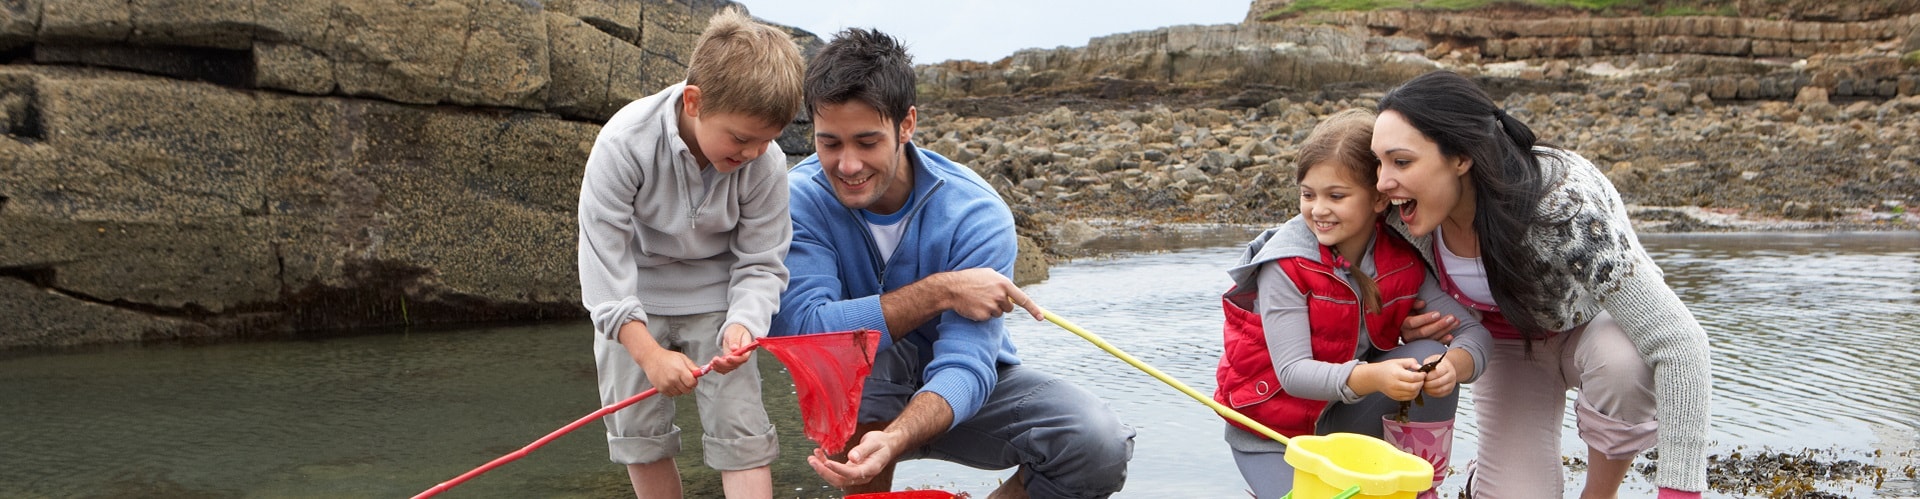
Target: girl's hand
point(1445, 376)
point(1399, 379)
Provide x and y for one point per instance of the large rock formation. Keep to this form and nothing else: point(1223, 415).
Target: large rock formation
point(177, 168)
point(1500, 36)
point(219, 167)
point(1301, 57)
point(1689, 114)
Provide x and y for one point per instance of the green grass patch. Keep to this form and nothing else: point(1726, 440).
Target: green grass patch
point(1679, 11)
point(1304, 6)
point(1586, 4)
point(1690, 10)
point(1644, 6)
point(1912, 59)
point(1453, 4)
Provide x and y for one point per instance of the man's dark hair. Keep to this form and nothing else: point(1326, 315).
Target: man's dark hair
point(864, 65)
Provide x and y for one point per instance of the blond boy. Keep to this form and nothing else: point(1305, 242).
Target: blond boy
point(683, 228)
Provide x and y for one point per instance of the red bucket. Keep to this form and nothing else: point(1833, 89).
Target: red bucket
point(906, 494)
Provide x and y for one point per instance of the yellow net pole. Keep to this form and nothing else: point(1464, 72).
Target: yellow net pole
point(1224, 411)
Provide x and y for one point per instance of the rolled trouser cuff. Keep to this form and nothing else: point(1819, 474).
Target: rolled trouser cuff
point(1612, 437)
point(642, 450)
point(743, 453)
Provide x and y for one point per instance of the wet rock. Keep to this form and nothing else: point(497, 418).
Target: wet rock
point(1809, 96)
point(1805, 210)
point(1030, 266)
point(1673, 98)
point(1210, 201)
point(1821, 111)
point(1702, 101)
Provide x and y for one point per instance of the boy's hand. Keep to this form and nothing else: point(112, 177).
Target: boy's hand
point(1399, 379)
point(736, 336)
point(670, 371)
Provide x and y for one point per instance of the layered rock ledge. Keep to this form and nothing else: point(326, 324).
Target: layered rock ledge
point(175, 169)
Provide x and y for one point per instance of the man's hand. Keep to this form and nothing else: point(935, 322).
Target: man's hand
point(865, 461)
point(1428, 326)
point(982, 293)
point(736, 336)
point(669, 371)
point(927, 416)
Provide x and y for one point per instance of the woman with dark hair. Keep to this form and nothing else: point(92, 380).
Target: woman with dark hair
point(1313, 323)
point(1537, 241)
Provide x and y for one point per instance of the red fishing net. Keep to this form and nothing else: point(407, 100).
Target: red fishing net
point(828, 371)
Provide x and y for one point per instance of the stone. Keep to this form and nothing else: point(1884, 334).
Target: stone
point(405, 62)
point(1210, 200)
point(39, 317)
point(1810, 96)
point(584, 68)
point(505, 62)
point(1190, 175)
point(328, 210)
point(292, 68)
point(1030, 266)
point(1821, 111)
point(1722, 87)
point(85, 21)
point(1859, 110)
point(1673, 98)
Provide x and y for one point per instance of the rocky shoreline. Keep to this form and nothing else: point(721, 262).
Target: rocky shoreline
point(1683, 161)
point(279, 168)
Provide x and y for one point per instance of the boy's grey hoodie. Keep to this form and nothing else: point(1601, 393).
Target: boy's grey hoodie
point(655, 239)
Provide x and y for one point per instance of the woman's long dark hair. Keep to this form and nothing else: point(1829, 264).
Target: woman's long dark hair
point(1508, 182)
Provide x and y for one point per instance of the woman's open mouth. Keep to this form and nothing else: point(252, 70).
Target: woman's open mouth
point(1406, 209)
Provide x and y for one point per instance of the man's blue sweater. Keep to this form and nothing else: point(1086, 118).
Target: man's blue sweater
point(955, 221)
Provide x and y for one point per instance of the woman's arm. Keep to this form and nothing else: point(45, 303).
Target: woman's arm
point(1470, 338)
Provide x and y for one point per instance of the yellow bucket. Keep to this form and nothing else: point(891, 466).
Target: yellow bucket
point(1327, 466)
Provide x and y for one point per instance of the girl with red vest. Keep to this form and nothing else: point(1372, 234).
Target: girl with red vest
point(1313, 319)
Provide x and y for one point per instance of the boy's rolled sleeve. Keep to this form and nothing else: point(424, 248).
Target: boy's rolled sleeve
point(760, 245)
point(609, 280)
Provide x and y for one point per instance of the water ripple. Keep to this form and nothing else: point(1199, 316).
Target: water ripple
point(1809, 336)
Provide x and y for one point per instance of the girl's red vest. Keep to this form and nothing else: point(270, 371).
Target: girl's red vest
point(1247, 381)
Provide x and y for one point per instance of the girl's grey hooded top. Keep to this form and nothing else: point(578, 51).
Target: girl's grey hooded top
point(1283, 314)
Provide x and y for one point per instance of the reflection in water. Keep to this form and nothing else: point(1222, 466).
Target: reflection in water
point(1800, 325)
point(366, 416)
point(1808, 333)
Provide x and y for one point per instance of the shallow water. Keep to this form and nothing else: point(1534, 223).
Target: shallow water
point(1810, 334)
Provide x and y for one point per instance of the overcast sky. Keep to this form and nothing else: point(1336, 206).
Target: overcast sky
point(987, 30)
